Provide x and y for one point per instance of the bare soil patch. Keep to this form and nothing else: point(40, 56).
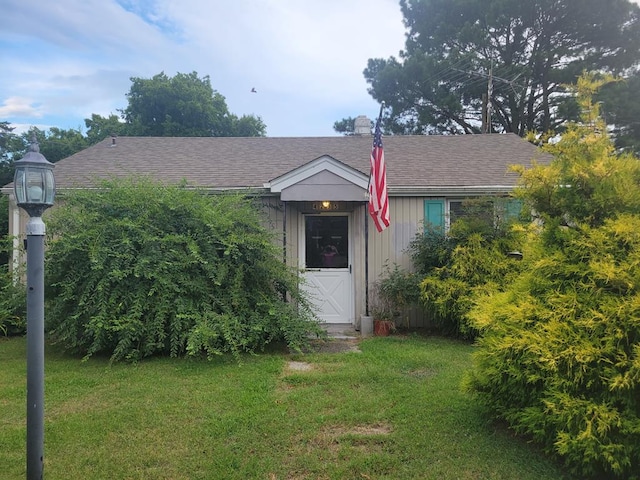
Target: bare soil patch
point(335, 345)
point(363, 430)
point(299, 366)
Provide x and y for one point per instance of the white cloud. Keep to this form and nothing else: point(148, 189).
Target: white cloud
point(75, 57)
point(64, 60)
point(19, 107)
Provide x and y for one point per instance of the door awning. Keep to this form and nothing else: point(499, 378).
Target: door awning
point(324, 178)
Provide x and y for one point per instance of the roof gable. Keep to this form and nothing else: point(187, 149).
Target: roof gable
point(325, 177)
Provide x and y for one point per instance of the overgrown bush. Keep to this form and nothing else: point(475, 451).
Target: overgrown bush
point(559, 354)
point(137, 269)
point(394, 293)
point(559, 357)
point(4, 229)
point(470, 260)
point(13, 299)
point(430, 249)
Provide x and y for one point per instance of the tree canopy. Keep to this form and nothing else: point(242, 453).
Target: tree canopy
point(99, 127)
point(620, 106)
point(55, 144)
point(530, 50)
point(183, 105)
point(6, 162)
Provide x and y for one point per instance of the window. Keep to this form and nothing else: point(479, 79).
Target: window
point(477, 210)
point(326, 241)
point(484, 212)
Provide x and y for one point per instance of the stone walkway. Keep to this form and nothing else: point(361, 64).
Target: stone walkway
point(342, 331)
point(342, 338)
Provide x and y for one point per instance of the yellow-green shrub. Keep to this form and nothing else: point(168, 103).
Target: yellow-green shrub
point(559, 353)
point(559, 356)
point(476, 265)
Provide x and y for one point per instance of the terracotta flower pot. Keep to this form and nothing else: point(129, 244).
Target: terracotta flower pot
point(382, 328)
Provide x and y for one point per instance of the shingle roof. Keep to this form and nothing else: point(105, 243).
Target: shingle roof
point(226, 162)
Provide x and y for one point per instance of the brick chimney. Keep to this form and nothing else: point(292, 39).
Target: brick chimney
point(362, 126)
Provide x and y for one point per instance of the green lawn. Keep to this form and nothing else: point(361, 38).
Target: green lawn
point(393, 411)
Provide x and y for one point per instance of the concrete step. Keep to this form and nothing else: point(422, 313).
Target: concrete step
point(341, 331)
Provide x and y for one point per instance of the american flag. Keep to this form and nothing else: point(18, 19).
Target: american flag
point(378, 199)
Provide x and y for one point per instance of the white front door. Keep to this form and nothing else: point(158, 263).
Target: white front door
point(326, 265)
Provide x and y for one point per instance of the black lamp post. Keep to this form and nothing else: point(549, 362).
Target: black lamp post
point(34, 188)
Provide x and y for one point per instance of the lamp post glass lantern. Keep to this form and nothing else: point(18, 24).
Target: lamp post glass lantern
point(34, 185)
point(34, 189)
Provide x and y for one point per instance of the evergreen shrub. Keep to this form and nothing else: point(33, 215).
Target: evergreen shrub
point(559, 353)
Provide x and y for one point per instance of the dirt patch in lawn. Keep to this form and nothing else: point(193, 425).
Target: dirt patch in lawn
point(334, 345)
point(357, 430)
point(339, 438)
point(299, 366)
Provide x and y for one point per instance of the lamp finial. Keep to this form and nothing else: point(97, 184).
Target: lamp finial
point(35, 146)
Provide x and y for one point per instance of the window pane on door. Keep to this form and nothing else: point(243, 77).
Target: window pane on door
point(326, 241)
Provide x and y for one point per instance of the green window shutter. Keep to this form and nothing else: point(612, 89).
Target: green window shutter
point(512, 209)
point(434, 213)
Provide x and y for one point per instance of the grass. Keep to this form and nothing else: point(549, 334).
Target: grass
point(393, 411)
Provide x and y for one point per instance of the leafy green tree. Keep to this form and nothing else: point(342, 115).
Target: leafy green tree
point(183, 105)
point(99, 127)
point(6, 158)
point(559, 353)
point(246, 126)
point(138, 269)
point(345, 126)
point(529, 49)
point(5, 135)
point(55, 143)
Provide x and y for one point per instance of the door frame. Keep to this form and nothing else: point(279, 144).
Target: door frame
point(351, 253)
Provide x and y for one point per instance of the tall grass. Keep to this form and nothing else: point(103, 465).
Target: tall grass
point(393, 411)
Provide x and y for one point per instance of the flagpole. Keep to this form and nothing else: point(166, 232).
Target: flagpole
point(380, 114)
point(366, 262)
point(366, 232)
point(376, 127)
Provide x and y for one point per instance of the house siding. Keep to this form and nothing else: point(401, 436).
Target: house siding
point(386, 248)
point(290, 172)
point(391, 246)
point(17, 226)
point(276, 214)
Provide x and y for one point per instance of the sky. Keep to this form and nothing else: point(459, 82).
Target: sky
point(61, 61)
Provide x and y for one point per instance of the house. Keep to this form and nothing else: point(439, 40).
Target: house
point(314, 190)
